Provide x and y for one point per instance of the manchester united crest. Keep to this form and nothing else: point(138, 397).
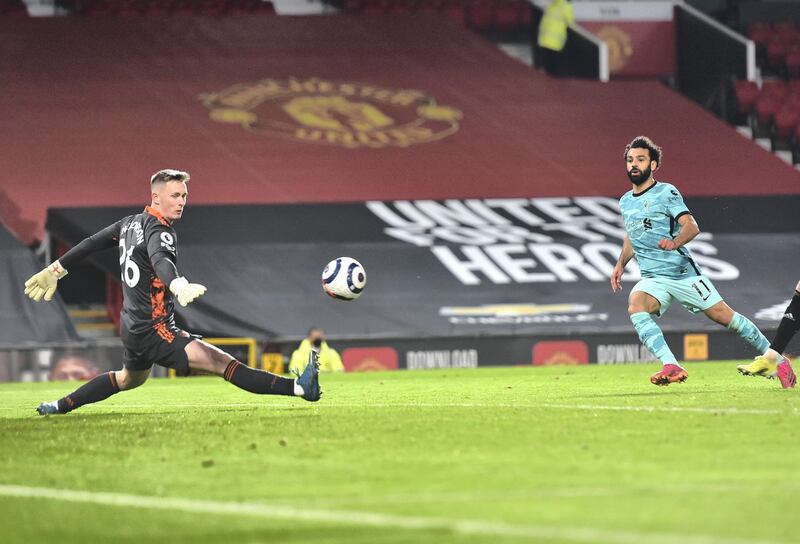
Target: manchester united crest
point(350, 115)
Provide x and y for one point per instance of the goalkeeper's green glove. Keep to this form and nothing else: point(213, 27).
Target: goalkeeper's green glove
point(184, 291)
point(43, 284)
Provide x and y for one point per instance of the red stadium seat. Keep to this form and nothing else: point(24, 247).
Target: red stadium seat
point(757, 26)
point(796, 146)
point(95, 7)
point(793, 63)
point(454, 10)
point(480, 14)
point(746, 93)
point(401, 7)
point(267, 8)
point(14, 8)
point(183, 7)
point(766, 108)
point(508, 15)
point(159, 8)
point(792, 101)
point(352, 6)
point(761, 34)
point(786, 121)
point(775, 88)
point(131, 7)
point(374, 6)
point(527, 13)
point(776, 53)
point(787, 30)
point(214, 8)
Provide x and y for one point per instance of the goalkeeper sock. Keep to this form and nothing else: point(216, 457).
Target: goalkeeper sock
point(653, 339)
point(749, 332)
point(258, 381)
point(98, 388)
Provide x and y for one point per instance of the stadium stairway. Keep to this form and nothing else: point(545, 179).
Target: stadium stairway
point(91, 321)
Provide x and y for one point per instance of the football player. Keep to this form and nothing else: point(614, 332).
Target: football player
point(766, 365)
point(658, 226)
point(151, 285)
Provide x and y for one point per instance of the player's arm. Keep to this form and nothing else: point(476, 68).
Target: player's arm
point(689, 229)
point(625, 255)
point(161, 250)
point(43, 284)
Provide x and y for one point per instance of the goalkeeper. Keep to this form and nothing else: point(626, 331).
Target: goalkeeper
point(150, 284)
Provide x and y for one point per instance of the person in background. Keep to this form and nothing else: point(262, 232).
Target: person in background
point(72, 367)
point(329, 360)
point(557, 17)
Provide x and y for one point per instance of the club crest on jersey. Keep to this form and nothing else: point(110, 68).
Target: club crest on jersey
point(342, 114)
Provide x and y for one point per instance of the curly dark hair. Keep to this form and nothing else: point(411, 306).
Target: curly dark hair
point(643, 142)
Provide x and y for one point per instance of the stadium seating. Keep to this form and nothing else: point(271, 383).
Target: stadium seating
point(123, 8)
point(15, 8)
point(771, 109)
point(481, 15)
point(776, 43)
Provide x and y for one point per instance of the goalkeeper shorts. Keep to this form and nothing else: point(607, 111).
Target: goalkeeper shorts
point(163, 345)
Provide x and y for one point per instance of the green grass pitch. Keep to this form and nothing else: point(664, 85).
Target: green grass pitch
point(560, 454)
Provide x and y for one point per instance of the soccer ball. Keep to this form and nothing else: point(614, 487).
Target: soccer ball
point(344, 278)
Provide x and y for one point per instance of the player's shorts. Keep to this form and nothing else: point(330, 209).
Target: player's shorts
point(164, 346)
point(696, 294)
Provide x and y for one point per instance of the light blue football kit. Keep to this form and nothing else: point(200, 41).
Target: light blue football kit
point(670, 275)
point(666, 275)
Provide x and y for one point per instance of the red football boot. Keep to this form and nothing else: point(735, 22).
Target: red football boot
point(786, 374)
point(669, 374)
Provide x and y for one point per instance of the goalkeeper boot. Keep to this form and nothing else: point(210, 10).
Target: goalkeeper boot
point(670, 373)
point(761, 366)
point(47, 408)
point(786, 375)
point(309, 379)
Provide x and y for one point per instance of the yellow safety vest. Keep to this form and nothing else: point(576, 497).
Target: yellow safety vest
point(329, 359)
point(553, 27)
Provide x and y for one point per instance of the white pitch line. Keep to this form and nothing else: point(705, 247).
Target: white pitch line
point(546, 493)
point(728, 410)
point(372, 519)
point(732, 410)
point(692, 409)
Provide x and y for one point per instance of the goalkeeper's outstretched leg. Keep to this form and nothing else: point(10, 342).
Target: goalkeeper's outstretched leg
point(98, 388)
point(207, 358)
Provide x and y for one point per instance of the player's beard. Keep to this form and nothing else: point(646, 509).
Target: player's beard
point(641, 177)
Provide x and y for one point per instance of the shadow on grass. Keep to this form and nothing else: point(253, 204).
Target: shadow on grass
point(660, 392)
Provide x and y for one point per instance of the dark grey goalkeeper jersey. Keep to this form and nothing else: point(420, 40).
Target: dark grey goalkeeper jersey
point(147, 259)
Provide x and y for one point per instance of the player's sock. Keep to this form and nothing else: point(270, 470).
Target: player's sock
point(788, 326)
point(653, 339)
point(773, 356)
point(749, 332)
point(98, 388)
point(258, 381)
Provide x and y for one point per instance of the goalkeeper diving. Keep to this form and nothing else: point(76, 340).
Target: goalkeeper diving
point(151, 284)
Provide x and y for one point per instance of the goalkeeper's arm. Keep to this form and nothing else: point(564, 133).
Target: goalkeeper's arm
point(42, 285)
point(179, 286)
